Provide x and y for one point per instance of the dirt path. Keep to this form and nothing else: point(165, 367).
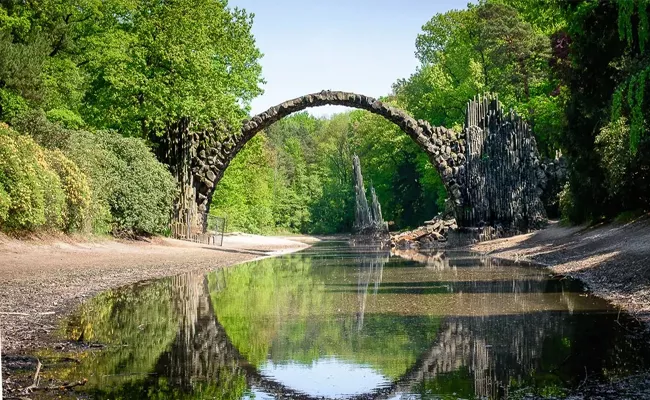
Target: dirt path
point(40, 283)
point(612, 260)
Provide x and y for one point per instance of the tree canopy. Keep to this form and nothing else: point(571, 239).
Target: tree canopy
point(131, 65)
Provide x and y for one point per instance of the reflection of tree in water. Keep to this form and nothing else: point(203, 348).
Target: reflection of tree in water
point(171, 331)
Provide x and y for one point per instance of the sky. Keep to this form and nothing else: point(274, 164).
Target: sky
point(360, 46)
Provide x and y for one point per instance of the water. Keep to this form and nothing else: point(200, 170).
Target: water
point(340, 322)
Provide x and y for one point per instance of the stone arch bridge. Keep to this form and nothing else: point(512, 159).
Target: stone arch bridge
point(491, 169)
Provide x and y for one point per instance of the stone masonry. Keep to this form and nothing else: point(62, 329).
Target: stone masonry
point(490, 169)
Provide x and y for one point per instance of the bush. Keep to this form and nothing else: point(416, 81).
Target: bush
point(75, 215)
point(55, 201)
point(31, 195)
point(19, 179)
point(5, 203)
point(65, 118)
point(141, 188)
point(567, 203)
point(46, 133)
point(130, 191)
point(612, 144)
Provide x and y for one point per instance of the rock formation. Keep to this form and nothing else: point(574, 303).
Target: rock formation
point(367, 220)
point(502, 179)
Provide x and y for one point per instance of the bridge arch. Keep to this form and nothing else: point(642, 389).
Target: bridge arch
point(491, 169)
point(443, 146)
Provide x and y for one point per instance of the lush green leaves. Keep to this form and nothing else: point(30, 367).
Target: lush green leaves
point(486, 48)
point(605, 136)
point(132, 65)
point(130, 191)
point(39, 188)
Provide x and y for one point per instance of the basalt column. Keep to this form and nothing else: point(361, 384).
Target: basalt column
point(197, 158)
point(501, 181)
point(367, 218)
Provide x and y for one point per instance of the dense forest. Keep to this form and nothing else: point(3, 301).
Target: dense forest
point(87, 88)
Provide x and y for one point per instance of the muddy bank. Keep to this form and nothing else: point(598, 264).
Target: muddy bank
point(43, 281)
point(613, 260)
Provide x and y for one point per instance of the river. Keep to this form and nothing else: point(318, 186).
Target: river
point(337, 321)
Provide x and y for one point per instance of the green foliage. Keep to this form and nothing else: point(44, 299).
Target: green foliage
point(141, 189)
point(21, 66)
point(11, 104)
point(612, 145)
point(37, 187)
point(491, 47)
point(77, 191)
point(53, 194)
point(134, 65)
point(605, 134)
point(65, 118)
point(130, 191)
point(5, 203)
point(567, 205)
point(245, 194)
point(19, 173)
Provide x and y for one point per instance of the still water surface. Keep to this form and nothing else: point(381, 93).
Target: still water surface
point(336, 321)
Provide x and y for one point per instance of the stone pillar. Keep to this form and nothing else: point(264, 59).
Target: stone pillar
point(502, 180)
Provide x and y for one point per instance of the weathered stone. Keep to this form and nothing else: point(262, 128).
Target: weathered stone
point(489, 153)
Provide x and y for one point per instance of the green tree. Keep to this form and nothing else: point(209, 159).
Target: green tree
point(607, 43)
point(135, 65)
point(245, 193)
point(484, 48)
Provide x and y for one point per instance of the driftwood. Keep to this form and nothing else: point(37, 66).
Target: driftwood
point(34, 385)
point(432, 234)
point(27, 315)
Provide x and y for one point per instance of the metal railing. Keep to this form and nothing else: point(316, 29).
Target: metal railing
point(213, 234)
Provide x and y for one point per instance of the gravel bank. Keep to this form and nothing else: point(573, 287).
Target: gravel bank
point(41, 282)
point(613, 260)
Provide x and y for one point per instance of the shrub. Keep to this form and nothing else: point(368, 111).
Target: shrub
point(19, 180)
point(74, 183)
point(142, 189)
point(31, 195)
point(612, 144)
point(5, 202)
point(66, 118)
point(130, 191)
point(55, 201)
point(46, 133)
point(566, 203)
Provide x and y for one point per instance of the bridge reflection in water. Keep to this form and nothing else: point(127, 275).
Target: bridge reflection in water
point(338, 321)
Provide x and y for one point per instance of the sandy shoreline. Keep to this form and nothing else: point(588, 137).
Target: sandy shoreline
point(40, 282)
point(612, 260)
